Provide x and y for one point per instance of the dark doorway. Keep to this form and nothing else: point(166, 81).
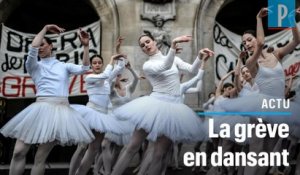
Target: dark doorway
point(32, 15)
point(240, 15)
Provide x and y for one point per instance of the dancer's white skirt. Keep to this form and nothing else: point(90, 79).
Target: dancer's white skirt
point(163, 115)
point(49, 119)
point(99, 120)
point(257, 103)
point(230, 121)
point(254, 103)
point(120, 140)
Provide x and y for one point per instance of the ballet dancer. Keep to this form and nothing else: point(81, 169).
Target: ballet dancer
point(50, 120)
point(265, 67)
point(168, 120)
point(96, 111)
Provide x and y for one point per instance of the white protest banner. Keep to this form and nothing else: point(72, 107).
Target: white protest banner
point(15, 82)
point(227, 46)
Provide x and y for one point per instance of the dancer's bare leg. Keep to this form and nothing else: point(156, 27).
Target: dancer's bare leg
point(135, 143)
point(40, 158)
point(168, 158)
point(292, 149)
point(17, 164)
point(142, 152)
point(76, 158)
point(117, 149)
point(216, 142)
point(144, 166)
point(179, 146)
point(277, 148)
point(175, 156)
point(98, 163)
point(209, 148)
point(241, 169)
point(107, 156)
point(112, 157)
point(162, 145)
point(197, 149)
point(90, 154)
point(255, 145)
point(268, 144)
point(228, 146)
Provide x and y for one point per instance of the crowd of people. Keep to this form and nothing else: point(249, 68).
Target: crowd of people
point(113, 126)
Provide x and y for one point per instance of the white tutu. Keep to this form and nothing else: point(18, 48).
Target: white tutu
point(161, 114)
point(254, 103)
point(49, 119)
point(120, 140)
point(98, 119)
point(230, 120)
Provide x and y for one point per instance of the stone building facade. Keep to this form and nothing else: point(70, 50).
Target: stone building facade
point(130, 18)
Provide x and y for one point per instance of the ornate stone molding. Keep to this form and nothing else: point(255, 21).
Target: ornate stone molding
point(158, 1)
point(158, 12)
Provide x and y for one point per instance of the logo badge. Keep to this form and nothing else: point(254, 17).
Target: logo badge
point(281, 13)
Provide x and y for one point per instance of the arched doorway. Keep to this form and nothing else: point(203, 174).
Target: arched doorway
point(31, 15)
point(239, 16)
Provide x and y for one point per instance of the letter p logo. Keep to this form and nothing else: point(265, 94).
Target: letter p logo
point(281, 13)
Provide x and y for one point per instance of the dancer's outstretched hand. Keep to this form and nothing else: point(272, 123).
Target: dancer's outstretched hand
point(181, 39)
point(178, 49)
point(119, 43)
point(54, 28)
point(84, 37)
point(263, 12)
point(205, 53)
point(298, 10)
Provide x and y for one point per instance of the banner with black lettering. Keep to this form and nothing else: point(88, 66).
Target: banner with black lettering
point(15, 82)
point(228, 45)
